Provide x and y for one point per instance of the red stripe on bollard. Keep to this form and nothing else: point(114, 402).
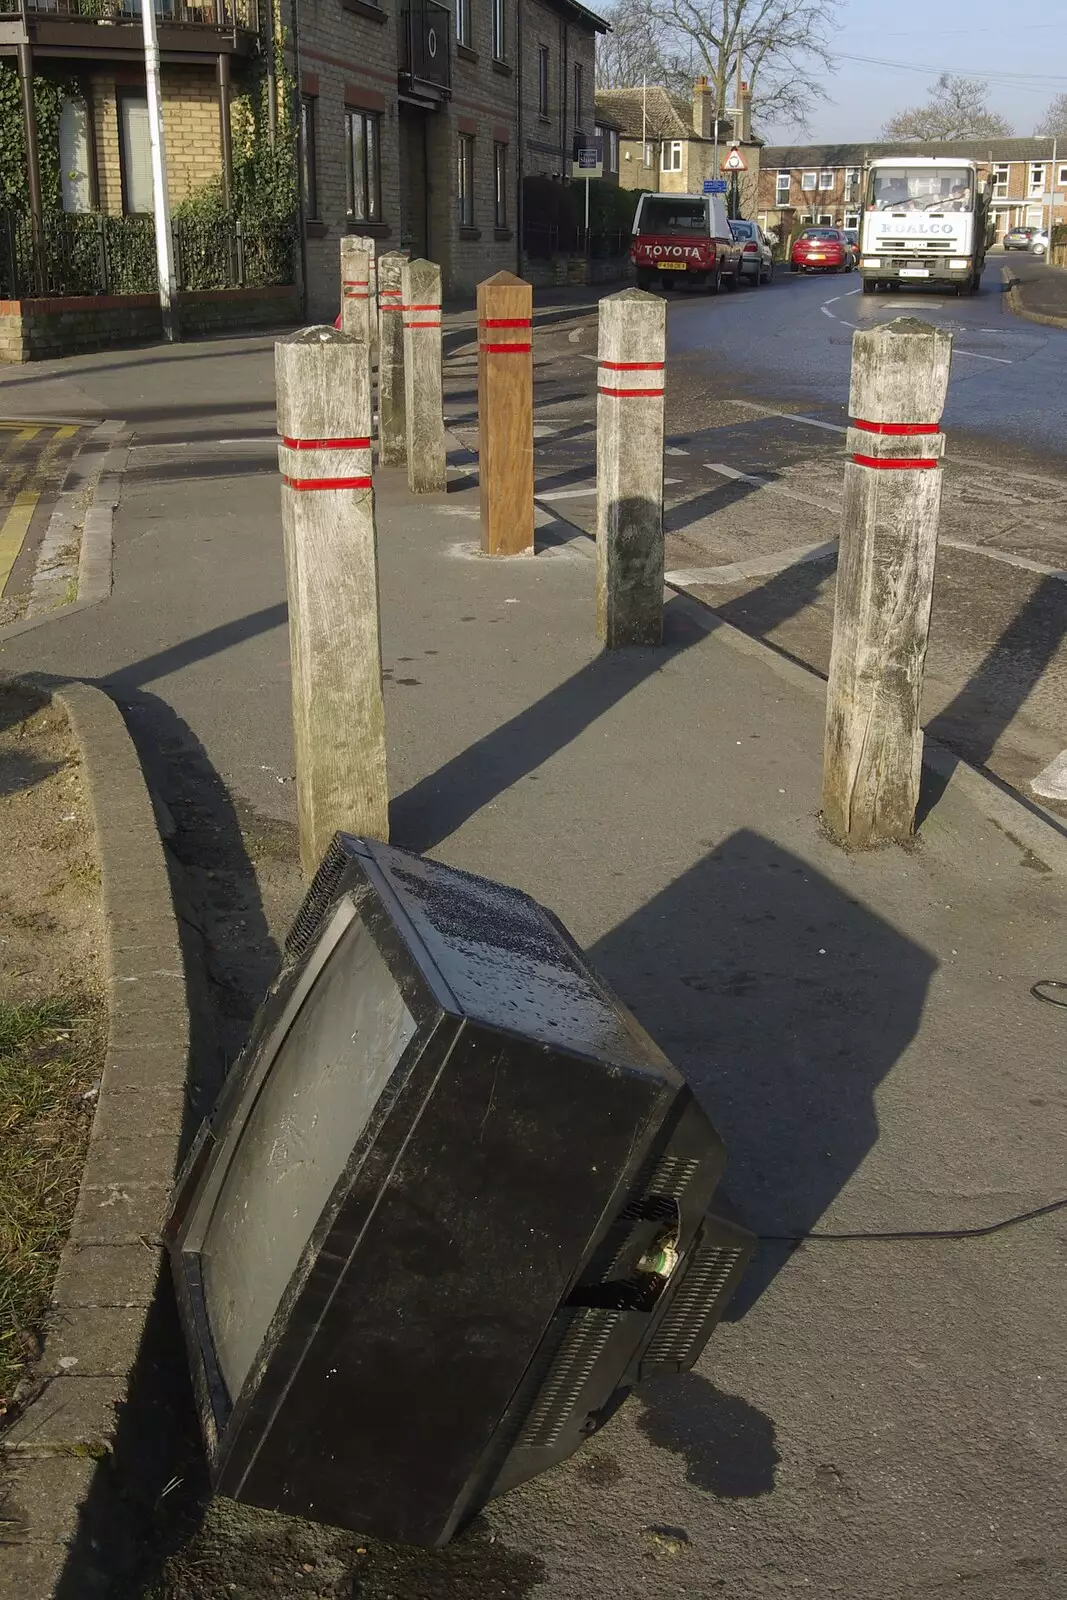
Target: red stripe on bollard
point(422, 324)
point(420, 308)
point(498, 349)
point(632, 366)
point(326, 444)
point(896, 427)
point(623, 394)
point(326, 483)
point(505, 322)
point(897, 463)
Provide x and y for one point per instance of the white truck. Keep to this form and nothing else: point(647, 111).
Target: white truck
point(926, 219)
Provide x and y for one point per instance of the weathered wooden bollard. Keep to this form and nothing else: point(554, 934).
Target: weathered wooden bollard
point(872, 758)
point(505, 415)
point(331, 565)
point(355, 289)
point(392, 429)
point(372, 288)
point(629, 469)
point(420, 284)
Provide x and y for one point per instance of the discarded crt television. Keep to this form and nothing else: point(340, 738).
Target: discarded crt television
point(453, 1203)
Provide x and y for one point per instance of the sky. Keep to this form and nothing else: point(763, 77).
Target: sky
point(1023, 60)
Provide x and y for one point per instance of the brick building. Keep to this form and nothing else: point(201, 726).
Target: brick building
point(668, 144)
point(805, 184)
point(420, 122)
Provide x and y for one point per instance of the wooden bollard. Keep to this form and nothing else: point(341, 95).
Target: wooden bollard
point(355, 289)
point(629, 469)
point(872, 758)
point(420, 299)
point(331, 564)
point(505, 415)
point(392, 428)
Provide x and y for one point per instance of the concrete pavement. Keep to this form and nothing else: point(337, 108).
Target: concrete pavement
point(880, 1417)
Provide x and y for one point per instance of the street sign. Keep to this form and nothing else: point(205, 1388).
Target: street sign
point(714, 185)
point(587, 159)
point(735, 162)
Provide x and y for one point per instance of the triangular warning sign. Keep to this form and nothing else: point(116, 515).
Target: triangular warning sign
point(735, 162)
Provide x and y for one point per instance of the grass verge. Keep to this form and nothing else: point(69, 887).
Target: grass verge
point(47, 1074)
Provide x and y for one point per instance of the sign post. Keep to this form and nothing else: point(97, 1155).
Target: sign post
point(733, 164)
point(587, 162)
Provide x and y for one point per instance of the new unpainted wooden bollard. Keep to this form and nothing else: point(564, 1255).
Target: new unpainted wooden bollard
point(629, 470)
point(392, 428)
point(505, 415)
point(872, 758)
point(323, 383)
point(355, 289)
point(420, 284)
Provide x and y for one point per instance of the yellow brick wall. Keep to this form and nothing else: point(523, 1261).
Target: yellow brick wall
point(191, 129)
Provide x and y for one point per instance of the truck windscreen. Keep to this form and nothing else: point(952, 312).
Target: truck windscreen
point(920, 189)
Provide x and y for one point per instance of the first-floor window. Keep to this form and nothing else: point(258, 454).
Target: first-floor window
point(135, 152)
point(826, 180)
point(808, 180)
point(672, 156)
point(825, 219)
point(499, 30)
point(308, 167)
point(463, 22)
point(363, 163)
point(1000, 179)
point(781, 188)
point(852, 219)
point(500, 182)
point(466, 180)
point(1062, 175)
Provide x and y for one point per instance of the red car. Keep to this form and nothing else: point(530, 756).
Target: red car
point(822, 250)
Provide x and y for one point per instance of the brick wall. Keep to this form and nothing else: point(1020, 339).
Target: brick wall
point(190, 120)
point(36, 330)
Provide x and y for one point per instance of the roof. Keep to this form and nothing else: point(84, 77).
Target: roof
point(653, 113)
point(583, 13)
point(854, 155)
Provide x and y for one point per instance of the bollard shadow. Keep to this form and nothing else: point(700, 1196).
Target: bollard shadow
point(728, 1446)
point(785, 1002)
point(437, 805)
point(973, 722)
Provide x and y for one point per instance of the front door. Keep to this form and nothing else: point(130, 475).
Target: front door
point(414, 193)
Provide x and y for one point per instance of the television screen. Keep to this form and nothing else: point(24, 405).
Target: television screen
point(453, 1203)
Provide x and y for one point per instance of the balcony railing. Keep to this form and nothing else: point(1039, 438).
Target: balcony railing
point(426, 48)
point(227, 15)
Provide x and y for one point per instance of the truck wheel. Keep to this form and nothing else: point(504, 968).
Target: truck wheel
point(869, 286)
point(735, 277)
point(715, 281)
point(645, 280)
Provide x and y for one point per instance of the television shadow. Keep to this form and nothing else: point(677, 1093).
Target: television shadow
point(785, 1002)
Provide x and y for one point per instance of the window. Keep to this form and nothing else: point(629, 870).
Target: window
point(500, 184)
point(463, 22)
point(465, 186)
point(671, 156)
point(577, 95)
point(1037, 178)
point(499, 35)
point(852, 219)
point(135, 154)
point(609, 142)
point(1000, 181)
point(826, 180)
point(1061, 176)
point(781, 188)
point(825, 219)
point(308, 166)
point(542, 80)
point(649, 157)
point(852, 179)
point(363, 163)
point(74, 156)
point(808, 180)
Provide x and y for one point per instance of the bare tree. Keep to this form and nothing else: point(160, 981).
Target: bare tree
point(783, 47)
point(1054, 122)
point(956, 109)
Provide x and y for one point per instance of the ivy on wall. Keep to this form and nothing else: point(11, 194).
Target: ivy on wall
point(264, 179)
point(50, 94)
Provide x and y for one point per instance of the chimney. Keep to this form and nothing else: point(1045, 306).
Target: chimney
point(703, 108)
point(741, 117)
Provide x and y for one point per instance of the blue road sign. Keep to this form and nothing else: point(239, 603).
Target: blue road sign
point(714, 185)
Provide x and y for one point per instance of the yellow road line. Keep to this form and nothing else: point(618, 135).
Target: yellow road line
point(67, 432)
point(27, 433)
point(15, 527)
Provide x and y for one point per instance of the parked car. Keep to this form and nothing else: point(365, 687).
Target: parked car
point(757, 257)
point(1019, 238)
point(1039, 242)
point(822, 250)
point(853, 237)
point(684, 239)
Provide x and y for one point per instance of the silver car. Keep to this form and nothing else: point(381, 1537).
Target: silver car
point(757, 257)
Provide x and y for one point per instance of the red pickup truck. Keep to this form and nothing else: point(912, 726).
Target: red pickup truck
point(685, 239)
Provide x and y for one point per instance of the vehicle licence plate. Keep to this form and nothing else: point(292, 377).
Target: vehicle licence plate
point(915, 272)
point(814, 257)
point(671, 266)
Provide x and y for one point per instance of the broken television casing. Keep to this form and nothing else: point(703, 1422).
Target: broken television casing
point(453, 1203)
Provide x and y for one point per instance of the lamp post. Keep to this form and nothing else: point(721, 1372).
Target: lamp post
point(168, 295)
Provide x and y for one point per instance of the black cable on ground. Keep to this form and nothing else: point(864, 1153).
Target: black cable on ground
point(919, 1233)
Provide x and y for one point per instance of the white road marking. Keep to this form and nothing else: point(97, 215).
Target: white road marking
point(765, 483)
point(1051, 782)
point(578, 492)
point(790, 416)
point(1001, 360)
point(1007, 558)
point(674, 450)
point(543, 430)
point(755, 567)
